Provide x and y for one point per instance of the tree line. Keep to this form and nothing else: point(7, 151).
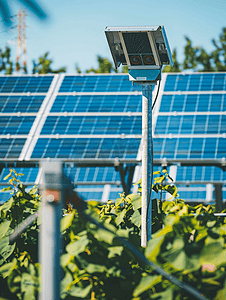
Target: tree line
point(196, 58)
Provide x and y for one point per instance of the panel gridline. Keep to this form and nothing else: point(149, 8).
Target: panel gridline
point(97, 83)
point(24, 84)
point(16, 125)
point(23, 104)
point(92, 125)
point(193, 103)
point(86, 148)
point(97, 103)
point(196, 82)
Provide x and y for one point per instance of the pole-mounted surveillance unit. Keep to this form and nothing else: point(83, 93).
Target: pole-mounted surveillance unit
point(144, 50)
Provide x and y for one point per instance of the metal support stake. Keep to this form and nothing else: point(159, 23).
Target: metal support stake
point(218, 196)
point(49, 238)
point(146, 163)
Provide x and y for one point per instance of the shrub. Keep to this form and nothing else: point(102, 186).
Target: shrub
point(96, 265)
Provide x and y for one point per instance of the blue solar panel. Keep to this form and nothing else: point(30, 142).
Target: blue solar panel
point(195, 195)
point(15, 125)
point(193, 103)
point(197, 173)
point(115, 194)
point(30, 174)
point(191, 124)
point(198, 111)
point(196, 82)
point(185, 148)
point(11, 148)
point(97, 103)
point(92, 174)
point(91, 194)
point(14, 104)
point(93, 125)
point(86, 148)
point(199, 114)
point(24, 84)
point(4, 196)
point(97, 83)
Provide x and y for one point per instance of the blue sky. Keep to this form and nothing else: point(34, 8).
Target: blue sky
point(73, 33)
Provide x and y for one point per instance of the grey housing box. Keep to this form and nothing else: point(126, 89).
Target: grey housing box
point(144, 47)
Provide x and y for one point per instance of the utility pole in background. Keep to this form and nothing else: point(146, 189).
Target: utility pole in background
point(21, 51)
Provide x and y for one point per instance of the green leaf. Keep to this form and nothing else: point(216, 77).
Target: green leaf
point(172, 189)
point(166, 295)
point(14, 281)
point(157, 172)
point(79, 291)
point(123, 233)
point(120, 217)
point(93, 268)
point(7, 176)
point(213, 253)
point(154, 247)
point(7, 205)
point(66, 221)
point(136, 202)
point(6, 269)
point(104, 236)
point(78, 246)
point(210, 281)
point(178, 258)
point(118, 201)
point(136, 218)
point(159, 179)
point(9, 188)
point(4, 226)
point(64, 285)
point(28, 286)
point(114, 251)
point(65, 259)
point(5, 248)
point(146, 283)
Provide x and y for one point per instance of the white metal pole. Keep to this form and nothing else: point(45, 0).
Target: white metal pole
point(146, 162)
point(49, 238)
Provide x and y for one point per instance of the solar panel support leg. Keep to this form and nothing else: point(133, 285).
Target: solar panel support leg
point(122, 175)
point(218, 197)
point(130, 178)
point(50, 238)
point(126, 184)
point(146, 163)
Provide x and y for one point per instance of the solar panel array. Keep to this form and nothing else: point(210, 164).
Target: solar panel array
point(99, 116)
point(72, 117)
point(191, 124)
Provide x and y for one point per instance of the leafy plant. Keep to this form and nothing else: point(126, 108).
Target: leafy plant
point(187, 242)
point(19, 270)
